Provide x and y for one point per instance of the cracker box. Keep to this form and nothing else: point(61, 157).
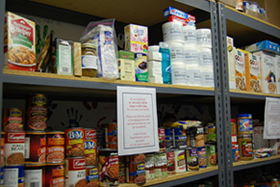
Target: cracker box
point(268, 71)
point(126, 65)
point(136, 38)
point(240, 71)
point(20, 40)
point(231, 63)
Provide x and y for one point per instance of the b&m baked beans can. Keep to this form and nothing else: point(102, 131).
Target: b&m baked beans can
point(55, 147)
point(75, 172)
point(92, 176)
point(12, 119)
point(34, 175)
point(90, 134)
point(55, 175)
point(2, 148)
point(14, 148)
point(75, 141)
point(14, 176)
point(35, 148)
point(91, 152)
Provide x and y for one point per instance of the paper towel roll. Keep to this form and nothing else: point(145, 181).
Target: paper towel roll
point(177, 53)
point(189, 32)
point(191, 55)
point(173, 31)
point(203, 37)
point(193, 75)
point(178, 73)
point(205, 57)
point(207, 76)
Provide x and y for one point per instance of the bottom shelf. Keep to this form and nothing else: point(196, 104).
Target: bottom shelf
point(179, 178)
point(255, 163)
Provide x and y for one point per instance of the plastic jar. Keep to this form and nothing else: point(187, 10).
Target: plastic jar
point(245, 146)
point(233, 126)
point(89, 60)
point(244, 123)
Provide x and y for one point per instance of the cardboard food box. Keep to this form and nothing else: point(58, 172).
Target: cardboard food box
point(240, 70)
point(231, 63)
point(126, 65)
point(136, 38)
point(277, 65)
point(265, 45)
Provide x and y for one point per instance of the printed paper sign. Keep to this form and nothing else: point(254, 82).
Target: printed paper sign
point(272, 119)
point(137, 120)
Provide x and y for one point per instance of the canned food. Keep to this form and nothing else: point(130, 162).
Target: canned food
point(112, 135)
point(12, 119)
point(211, 135)
point(14, 148)
point(35, 148)
point(34, 175)
point(192, 159)
point(188, 138)
point(100, 139)
point(161, 139)
point(55, 147)
point(235, 153)
point(37, 112)
point(180, 160)
point(136, 173)
point(75, 141)
point(108, 166)
point(121, 169)
point(170, 162)
point(92, 176)
point(149, 161)
point(180, 138)
point(211, 155)
point(234, 139)
point(91, 152)
point(160, 159)
point(274, 182)
point(55, 175)
point(137, 158)
point(161, 172)
point(245, 124)
point(1, 176)
point(2, 148)
point(198, 134)
point(75, 172)
point(14, 176)
point(202, 157)
point(90, 133)
point(233, 126)
point(168, 137)
point(150, 174)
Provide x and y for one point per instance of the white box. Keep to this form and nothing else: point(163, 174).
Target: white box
point(156, 79)
point(156, 56)
point(154, 65)
point(240, 71)
point(268, 72)
point(154, 72)
point(231, 63)
point(136, 38)
point(277, 65)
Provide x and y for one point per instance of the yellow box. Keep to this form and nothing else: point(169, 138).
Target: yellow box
point(240, 70)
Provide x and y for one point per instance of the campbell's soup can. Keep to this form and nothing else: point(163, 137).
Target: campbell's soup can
point(75, 172)
point(14, 176)
point(75, 141)
point(34, 175)
point(109, 166)
point(90, 133)
point(161, 139)
point(37, 112)
point(55, 175)
point(14, 148)
point(121, 170)
point(35, 148)
point(2, 148)
point(91, 152)
point(92, 176)
point(112, 135)
point(12, 119)
point(55, 147)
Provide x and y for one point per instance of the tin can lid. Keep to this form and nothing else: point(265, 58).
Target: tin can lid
point(55, 164)
point(244, 115)
point(90, 45)
point(233, 120)
point(36, 133)
point(56, 132)
point(34, 165)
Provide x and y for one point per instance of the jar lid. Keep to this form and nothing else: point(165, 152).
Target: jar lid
point(244, 115)
point(233, 120)
point(90, 45)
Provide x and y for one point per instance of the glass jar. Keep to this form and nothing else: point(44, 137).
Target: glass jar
point(245, 146)
point(89, 60)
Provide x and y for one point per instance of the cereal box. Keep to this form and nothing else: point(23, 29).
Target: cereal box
point(231, 63)
point(240, 71)
point(277, 65)
point(268, 71)
point(136, 38)
point(20, 38)
point(253, 72)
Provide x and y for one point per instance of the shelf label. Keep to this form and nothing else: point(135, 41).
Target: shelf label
point(137, 120)
point(272, 119)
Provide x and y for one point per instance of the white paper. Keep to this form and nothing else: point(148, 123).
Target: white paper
point(137, 120)
point(272, 119)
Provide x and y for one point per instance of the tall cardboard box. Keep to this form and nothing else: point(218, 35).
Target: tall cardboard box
point(240, 70)
point(277, 65)
point(231, 63)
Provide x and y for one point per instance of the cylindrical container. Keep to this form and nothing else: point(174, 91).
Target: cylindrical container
point(239, 5)
point(244, 122)
point(188, 138)
point(207, 76)
point(165, 63)
point(150, 174)
point(193, 75)
point(179, 137)
point(161, 172)
point(55, 175)
point(2, 149)
point(274, 182)
point(92, 176)
point(34, 175)
point(37, 112)
point(234, 139)
point(150, 166)
point(177, 52)
point(75, 141)
point(55, 147)
point(180, 160)
point(112, 135)
point(191, 55)
point(122, 171)
point(189, 32)
point(192, 159)
point(245, 145)
point(100, 134)
point(91, 152)
point(75, 171)
point(198, 136)
point(202, 157)
point(2, 176)
point(235, 153)
point(161, 139)
point(109, 166)
point(136, 173)
point(137, 158)
point(205, 57)
point(168, 137)
point(173, 31)
point(203, 37)
point(211, 130)
point(178, 73)
point(35, 148)
point(160, 159)
point(12, 119)
point(233, 126)
point(171, 162)
point(14, 148)
point(90, 133)
point(211, 155)
point(14, 176)
point(89, 60)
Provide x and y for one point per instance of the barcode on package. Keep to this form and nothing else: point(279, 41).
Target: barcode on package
point(65, 69)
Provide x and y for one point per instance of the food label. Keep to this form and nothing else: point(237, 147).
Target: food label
point(171, 162)
point(14, 148)
point(90, 134)
point(109, 167)
point(244, 125)
point(89, 62)
point(54, 175)
point(180, 137)
point(150, 174)
point(75, 142)
point(199, 138)
point(55, 141)
point(161, 139)
point(33, 178)
point(37, 118)
point(136, 38)
point(35, 148)
point(14, 176)
point(168, 138)
point(240, 74)
point(246, 149)
point(202, 157)
point(90, 152)
point(92, 174)
point(55, 154)
point(211, 155)
point(149, 161)
point(77, 178)
point(180, 161)
point(192, 159)
point(235, 153)
point(160, 159)
point(253, 73)
point(141, 67)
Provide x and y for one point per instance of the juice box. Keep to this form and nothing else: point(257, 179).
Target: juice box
point(240, 71)
point(136, 38)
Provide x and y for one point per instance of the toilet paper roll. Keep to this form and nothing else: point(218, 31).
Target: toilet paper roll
point(189, 32)
point(173, 31)
point(178, 73)
point(205, 57)
point(191, 55)
point(203, 37)
point(193, 75)
point(207, 76)
point(177, 53)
